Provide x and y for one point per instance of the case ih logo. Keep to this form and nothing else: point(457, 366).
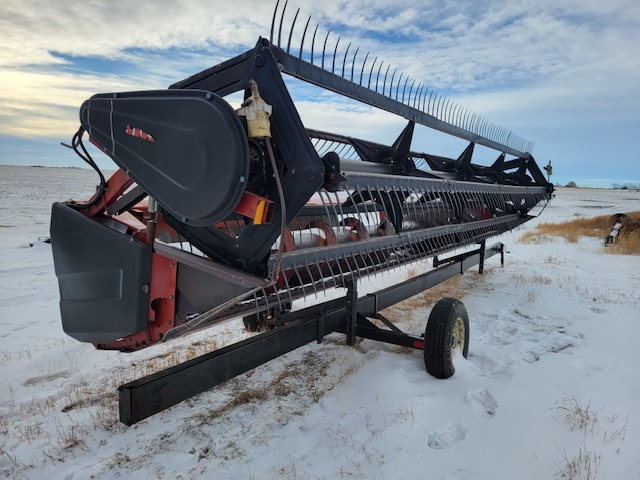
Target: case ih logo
point(136, 132)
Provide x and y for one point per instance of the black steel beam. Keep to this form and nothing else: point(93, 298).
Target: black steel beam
point(318, 76)
point(152, 394)
point(367, 329)
point(357, 179)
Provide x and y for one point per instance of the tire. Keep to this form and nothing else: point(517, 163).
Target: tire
point(263, 321)
point(256, 322)
point(447, 331)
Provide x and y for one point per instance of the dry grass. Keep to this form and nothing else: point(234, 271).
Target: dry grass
point(304, 379)
point(584, 466)
point(64, 420)
point(404, 313)
point(579, 416)
point(411, 315)
point(572, 230)
point(576, 415)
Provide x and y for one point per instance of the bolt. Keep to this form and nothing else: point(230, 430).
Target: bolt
point(242, 179)
point(209, 96)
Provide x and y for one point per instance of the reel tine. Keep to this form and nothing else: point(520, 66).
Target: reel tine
point(337, 264)
point(266, 299)
point(416, 98)
point(293, 25)
point(324, 204)
point(393, 75)
point(446, 110)
point(456, 114)
point(335, 52)
point(404, 88)
point(313, 43)
point(384, 83)
point(398, 85)
point(273, 21)
point(429, 103)
point(410, 90)
point(304, 34)
point(330, 264)
point(492, 130)
point(348, 262)
point(424, 100)
point(344, 60)
point(483, 130)
point(433, 246)
point(256, 302)
point(277, 295)
point(378, 76)
point(288, 289)
point(320, 267)
point(463, 117)
point(312, 281)
point(353, 62)
point(284, 9)
point(319, 147)
point(342, 148)
point(363, 65)
point(339, 205)
point(371, 72)
point(300, 282)
point(324, 48)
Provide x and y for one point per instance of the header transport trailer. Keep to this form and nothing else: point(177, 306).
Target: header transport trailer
point(218, 213)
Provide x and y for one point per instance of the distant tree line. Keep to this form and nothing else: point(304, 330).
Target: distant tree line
point(616, 186)
point(626, 186)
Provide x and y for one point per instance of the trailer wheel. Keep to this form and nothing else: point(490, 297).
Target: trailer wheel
point(447, 332)
point(263, 321)
point(256, 322)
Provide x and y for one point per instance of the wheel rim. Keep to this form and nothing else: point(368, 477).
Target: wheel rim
point(457, 342)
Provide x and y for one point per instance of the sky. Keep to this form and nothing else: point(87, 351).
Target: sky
point(564, 74)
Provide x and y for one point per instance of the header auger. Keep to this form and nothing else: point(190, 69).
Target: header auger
point(219, 212)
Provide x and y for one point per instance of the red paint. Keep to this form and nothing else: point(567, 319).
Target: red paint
point(162, 296)
point(136, 132)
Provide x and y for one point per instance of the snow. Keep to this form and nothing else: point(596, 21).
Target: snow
point(551, 379)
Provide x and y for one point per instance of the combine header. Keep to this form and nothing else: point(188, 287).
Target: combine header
point(219, 212)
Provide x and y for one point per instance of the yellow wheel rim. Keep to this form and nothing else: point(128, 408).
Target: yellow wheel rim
point(458, 335)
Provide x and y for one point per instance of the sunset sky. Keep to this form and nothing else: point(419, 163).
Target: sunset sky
point(564, 74)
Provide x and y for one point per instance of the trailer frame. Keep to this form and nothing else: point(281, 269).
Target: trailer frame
point(349, 314)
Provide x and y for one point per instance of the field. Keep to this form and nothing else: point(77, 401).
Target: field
point(549, 390)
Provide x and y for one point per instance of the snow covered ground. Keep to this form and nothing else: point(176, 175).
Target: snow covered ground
point(551, 381)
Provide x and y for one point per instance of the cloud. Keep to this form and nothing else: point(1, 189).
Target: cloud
point(33, 29)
